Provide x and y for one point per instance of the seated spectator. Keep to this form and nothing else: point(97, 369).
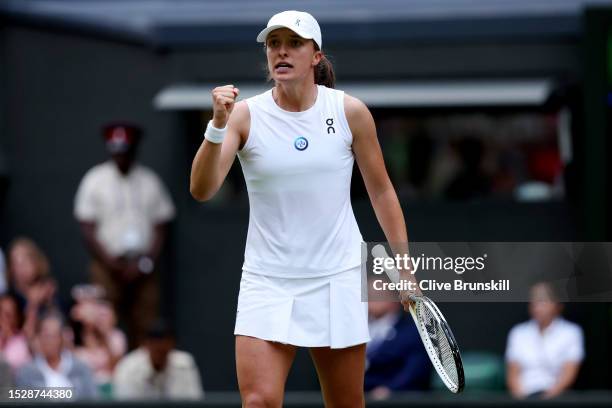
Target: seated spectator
point(53, 364)
point(396, 359)
point(99, 343)
point(157, 370)
point(543, 355)
point(13, 343)
point(30, 282)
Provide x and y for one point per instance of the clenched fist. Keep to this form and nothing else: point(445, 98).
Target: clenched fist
point(224, 98)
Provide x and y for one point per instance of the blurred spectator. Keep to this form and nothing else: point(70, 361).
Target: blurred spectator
point(99, 343)
point(545, 175)
point(27, 264)
point(157, 370)
point(30, 281)
point(543, 355)
point(54, 365)
point(123, 209)
point(13, 342)
point(395, 357)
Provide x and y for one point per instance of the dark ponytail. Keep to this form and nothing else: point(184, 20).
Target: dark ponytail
point(324, 73)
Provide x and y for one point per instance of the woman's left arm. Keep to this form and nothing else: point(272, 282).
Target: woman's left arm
point(372, 167)
point(380, 190)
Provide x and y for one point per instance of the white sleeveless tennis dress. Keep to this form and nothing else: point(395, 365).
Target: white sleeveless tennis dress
point(301, 280)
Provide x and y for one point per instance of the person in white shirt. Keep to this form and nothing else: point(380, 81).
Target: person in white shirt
point(301, 283)
point(544, 354)
point(157, 370)
point(54, 365)
point(123, 210)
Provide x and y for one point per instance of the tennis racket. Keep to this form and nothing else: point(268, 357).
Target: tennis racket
point(435, 333)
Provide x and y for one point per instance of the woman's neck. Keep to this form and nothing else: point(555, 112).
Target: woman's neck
point(295, 98)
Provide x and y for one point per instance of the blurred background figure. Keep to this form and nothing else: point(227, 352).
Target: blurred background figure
point(123, 210)
point(543, 355)
point(13, 342)
point(395, 357)
point(54, 365)
point(157, 370)
point(545, 175)
point(98, 342)
point(30, 282)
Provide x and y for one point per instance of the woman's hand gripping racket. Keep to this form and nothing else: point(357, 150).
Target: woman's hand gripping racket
point(435, 333)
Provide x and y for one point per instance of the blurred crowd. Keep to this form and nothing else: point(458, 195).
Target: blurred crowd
point(109, 340)
point(471, 157)
point(44, 343)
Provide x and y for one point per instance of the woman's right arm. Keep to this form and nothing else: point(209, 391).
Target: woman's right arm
point(213, 161)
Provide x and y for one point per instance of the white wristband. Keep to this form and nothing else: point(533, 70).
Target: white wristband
point(213, 134)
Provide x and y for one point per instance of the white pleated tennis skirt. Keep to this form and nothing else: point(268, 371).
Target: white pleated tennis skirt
point(310, 312)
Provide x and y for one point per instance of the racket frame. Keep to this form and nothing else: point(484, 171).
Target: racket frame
point(424, 301)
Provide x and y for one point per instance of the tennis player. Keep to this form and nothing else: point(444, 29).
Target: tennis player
point(300, 283)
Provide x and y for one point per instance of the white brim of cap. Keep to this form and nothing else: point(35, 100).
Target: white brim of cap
point(261, 37)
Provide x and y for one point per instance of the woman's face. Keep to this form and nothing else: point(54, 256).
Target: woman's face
point(290, 57)
point(23, 265)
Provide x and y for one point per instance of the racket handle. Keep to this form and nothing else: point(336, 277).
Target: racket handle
point(379, 251)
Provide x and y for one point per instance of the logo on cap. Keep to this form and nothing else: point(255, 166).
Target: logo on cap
point(297, 22)
point(301, 143)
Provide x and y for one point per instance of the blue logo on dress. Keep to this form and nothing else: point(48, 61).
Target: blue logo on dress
point(301, 143)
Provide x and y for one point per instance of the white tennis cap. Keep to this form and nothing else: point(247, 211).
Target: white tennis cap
point(301, 22)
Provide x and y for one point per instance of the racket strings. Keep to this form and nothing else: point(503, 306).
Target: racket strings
point(439, 343)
